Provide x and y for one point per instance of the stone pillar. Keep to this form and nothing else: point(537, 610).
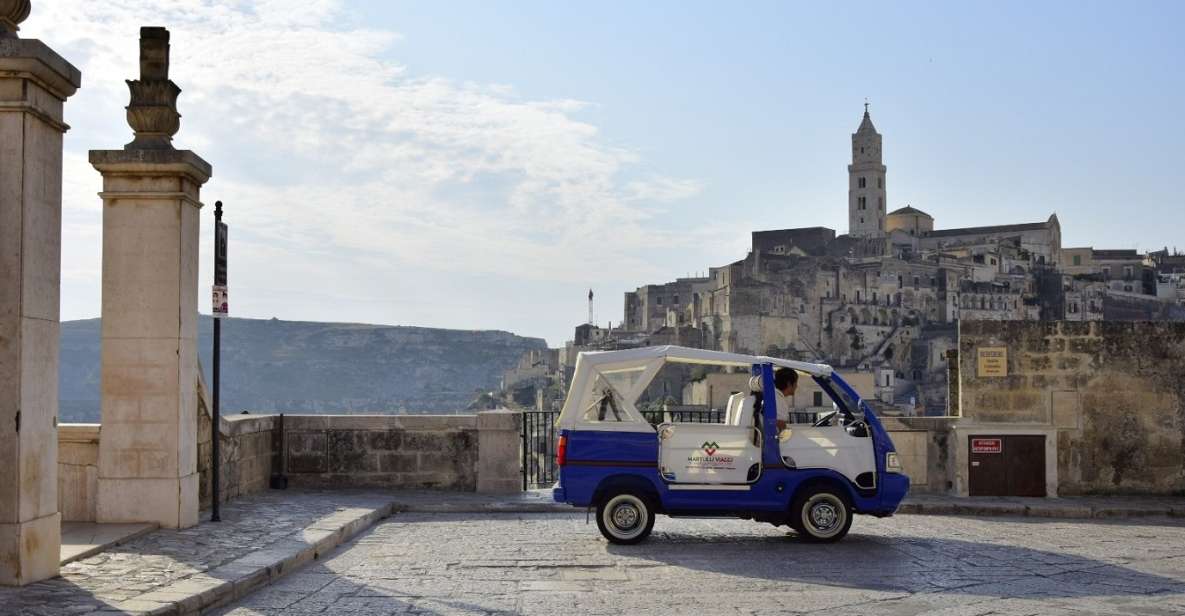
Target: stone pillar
point(148, 448)
point(34, 84)
point(499, 456)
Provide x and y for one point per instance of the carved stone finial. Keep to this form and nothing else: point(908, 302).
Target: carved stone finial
point(12, 13)
point(152, 112)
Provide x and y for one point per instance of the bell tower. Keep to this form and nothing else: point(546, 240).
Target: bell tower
point(866, 182)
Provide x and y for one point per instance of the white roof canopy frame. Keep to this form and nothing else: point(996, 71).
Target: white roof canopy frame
point(594, 371)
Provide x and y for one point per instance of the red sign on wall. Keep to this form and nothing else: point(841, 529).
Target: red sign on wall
point(987, 445)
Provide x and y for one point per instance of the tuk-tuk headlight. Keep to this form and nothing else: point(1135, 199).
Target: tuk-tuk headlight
point(892, 462)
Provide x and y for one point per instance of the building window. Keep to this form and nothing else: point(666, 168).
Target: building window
point(880, 203)
point(1077, 259)
point(1127, 287)
point(916, 280)
point(874, 297)
point(880, 182)
point(658, 300)
point(1127, 272)
point(861, 220)
point(1106, 273)
point(818, 398)
point(861, 202)
point(861, 183)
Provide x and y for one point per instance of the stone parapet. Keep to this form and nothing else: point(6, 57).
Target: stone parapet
point(406, 451)
point(78, 471)
point(448, 452)
point(247, 452)
point(468, 453)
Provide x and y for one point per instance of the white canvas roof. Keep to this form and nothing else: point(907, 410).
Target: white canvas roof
point(597, 366)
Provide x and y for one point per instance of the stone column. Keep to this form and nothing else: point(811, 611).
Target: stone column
point(34, 84)
point(148, 447)
point(499, 455)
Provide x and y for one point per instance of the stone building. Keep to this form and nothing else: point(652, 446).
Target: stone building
point(864, 299)
point(1105, 397)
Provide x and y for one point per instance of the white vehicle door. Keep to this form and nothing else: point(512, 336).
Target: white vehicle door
point(832, 447)
point(696, 453)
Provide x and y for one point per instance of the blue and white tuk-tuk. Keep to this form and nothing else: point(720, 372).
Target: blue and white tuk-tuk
point(812, 477)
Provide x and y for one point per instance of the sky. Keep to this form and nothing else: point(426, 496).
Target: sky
point(482, 165)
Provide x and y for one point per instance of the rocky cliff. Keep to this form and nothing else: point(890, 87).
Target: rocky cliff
point(272, 365)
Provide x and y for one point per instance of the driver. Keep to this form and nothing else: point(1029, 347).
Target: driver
point(785, 382)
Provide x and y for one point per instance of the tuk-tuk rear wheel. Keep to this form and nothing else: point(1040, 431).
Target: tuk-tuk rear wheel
point(625, 517)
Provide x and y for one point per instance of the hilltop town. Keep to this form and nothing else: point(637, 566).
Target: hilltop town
point(881, 301)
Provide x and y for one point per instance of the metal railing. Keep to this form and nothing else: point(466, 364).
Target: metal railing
point(539, 437)
point(539, 442)
point(684, 416)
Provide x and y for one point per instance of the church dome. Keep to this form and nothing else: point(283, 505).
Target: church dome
point(908, 210)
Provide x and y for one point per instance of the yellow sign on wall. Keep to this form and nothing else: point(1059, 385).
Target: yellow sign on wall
point(993, 361)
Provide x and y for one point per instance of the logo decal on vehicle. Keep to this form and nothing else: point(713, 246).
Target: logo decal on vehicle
point(710, 457)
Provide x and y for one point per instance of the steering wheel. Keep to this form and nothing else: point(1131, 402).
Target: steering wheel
point(825, 419)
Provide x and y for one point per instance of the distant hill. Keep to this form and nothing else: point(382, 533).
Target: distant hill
point(272, 365)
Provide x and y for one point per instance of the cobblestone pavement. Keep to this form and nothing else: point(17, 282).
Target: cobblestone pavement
point(439, 563)
point(117, 577)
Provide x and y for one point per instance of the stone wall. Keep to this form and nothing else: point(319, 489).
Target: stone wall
point(450, 452)
point(1109, 396)
point(923, 443)
point(247, 453)
point(247, 456)
point(78, 471)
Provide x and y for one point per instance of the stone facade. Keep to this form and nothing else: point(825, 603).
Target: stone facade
point(1108, 395)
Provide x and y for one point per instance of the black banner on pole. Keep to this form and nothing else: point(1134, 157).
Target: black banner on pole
point(220, 253)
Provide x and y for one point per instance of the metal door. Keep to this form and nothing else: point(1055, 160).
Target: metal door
point(1006, 465)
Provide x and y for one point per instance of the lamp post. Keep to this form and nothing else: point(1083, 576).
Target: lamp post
point(220, 310)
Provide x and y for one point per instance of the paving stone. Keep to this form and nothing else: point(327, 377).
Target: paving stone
point(177, 571)
point(540, 563)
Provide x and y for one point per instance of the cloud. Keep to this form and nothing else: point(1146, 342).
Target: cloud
point(329, 150)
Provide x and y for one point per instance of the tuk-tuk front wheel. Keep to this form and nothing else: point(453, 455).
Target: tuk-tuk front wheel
point(625, 518)
point(821, 514)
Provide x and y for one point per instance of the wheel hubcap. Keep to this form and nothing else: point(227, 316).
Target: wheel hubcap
point(625, 516)
point(824, 516)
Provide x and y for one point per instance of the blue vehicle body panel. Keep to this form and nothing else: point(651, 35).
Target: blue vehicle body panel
point(596, 459)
